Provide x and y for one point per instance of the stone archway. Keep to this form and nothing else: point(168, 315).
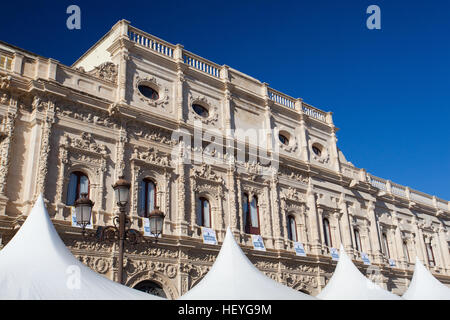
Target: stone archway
point(151, 287)
point(158, 278)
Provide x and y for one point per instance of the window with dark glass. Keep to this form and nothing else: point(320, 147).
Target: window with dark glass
point(317, 150)
point(251, 214)
point(430, 254)
point(78, 184)
point(283, 139)
point(203, 212)
point(292, 229)
point(148, 92)
point(327, 232)
point(357, 240)
point(147, 197)
point(200, 110)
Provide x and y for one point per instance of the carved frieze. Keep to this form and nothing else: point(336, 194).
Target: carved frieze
point(106, 71)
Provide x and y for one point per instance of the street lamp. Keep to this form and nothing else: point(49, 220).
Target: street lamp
point(120, 231)
point(83, 211)
point(122, 191)
point(156, 219)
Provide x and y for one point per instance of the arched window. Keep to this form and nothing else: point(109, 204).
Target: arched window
point(327, 232)
point(203, 212)
point(386, 246)
point(430, 254)
point(151, 287)
point(292, 229)
point(251, 214)
point(78, 184)
point(147, 197)
point(357, 240)
point(405, 251)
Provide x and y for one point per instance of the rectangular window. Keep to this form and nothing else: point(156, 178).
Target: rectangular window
point(5, 62)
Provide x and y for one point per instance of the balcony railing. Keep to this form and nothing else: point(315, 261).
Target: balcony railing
point(281, 98)
point(151, 42)
point(201, 64)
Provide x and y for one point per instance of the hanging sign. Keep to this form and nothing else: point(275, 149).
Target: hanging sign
point(391, 262)
point(365, 258)
point(74, 220)
point(334, 254)
point(258, 243)
point(299, 250)
point(209, 236)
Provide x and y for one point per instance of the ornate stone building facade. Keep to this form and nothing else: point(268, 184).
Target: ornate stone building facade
point(119, 110)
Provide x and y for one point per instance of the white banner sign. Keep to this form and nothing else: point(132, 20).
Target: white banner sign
point(391, 262)
point(258, 243)
point(365, 258)
point(209, 236)
point(299, 250)
point(334, 254)
point(74, 220)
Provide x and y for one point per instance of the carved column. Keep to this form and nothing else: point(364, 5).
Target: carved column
point(120, 152)
point(5, 151)
point(179, 83)
point(49, 119)
point(232, 198)
point(182, 213)
point(193, 216)
point(240, 209)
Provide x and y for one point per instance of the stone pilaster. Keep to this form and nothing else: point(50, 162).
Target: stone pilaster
point(374, 236)
point(314, 223)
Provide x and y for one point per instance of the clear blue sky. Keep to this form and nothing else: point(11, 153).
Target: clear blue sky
point(389, 89)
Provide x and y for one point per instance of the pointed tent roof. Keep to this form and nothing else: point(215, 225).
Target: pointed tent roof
point(424, 286)
point(234, 277)
point(348, 283)
point(36, 264)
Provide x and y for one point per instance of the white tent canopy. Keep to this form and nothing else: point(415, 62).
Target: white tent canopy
point(348, 283)
point(234, 277)
point(36, 264)
point(424, 286)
